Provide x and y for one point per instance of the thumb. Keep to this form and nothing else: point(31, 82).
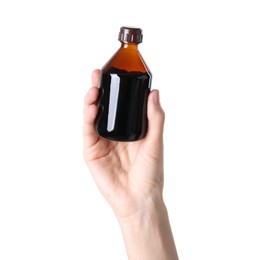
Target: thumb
point(156, 118)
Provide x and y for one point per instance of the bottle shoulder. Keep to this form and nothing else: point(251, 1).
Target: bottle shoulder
point(128, 59)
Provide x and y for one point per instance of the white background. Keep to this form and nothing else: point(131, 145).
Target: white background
point(205, 59)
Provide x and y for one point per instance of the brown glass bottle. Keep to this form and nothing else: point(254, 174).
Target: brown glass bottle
point(124, 87)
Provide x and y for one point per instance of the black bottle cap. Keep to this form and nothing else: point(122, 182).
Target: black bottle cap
point(130, 35)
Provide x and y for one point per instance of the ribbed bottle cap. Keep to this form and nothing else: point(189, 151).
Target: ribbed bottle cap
point(130, 35)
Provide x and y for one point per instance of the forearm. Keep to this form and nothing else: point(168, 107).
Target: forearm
point(148, 235)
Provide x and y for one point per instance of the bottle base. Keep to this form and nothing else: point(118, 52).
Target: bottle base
point(131, 138)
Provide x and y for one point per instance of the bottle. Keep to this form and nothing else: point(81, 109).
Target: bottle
point(124, 87)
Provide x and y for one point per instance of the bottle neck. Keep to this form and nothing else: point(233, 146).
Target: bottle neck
point(130, 46)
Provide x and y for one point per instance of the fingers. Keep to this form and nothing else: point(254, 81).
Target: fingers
point(90, 112)
point(95, 77)
point(156, 118)
point(91, 96)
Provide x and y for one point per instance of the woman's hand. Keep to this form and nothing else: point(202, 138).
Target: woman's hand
point(129, 174)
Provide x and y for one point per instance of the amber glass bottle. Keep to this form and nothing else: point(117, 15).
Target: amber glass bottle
point(123, 91)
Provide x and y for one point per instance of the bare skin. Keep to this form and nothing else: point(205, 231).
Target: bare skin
point(130, 177)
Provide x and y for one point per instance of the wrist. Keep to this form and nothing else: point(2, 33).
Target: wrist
point(149, 210)
point(135, 205)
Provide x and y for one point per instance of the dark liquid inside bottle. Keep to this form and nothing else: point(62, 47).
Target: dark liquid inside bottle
point(123, 105)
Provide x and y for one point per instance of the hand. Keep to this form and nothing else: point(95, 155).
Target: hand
point(129, 174)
